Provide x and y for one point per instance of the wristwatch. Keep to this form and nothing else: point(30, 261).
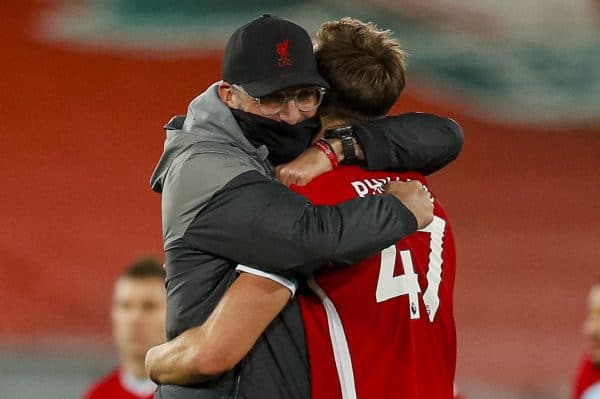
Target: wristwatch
point(346, 136)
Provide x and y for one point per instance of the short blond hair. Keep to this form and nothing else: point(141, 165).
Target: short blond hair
point(363, 64)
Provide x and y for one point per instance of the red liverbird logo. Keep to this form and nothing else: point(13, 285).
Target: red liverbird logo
point(284, 55)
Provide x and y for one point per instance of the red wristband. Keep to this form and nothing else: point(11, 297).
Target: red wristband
point(325, 147)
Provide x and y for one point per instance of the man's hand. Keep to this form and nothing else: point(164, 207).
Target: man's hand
point(310, 164)
point(415, 196)
point(176, 361)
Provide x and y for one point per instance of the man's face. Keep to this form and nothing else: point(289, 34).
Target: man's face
point(591, 326)
point(138, 315)
point(289, 113)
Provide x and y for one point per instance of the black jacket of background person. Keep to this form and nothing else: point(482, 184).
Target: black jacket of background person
point(221, 206)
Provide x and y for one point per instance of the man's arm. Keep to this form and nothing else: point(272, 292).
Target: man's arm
point(258, 222)
point(419, 142)
point(228, 334)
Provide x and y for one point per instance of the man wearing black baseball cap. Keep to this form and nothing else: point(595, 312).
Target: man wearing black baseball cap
point(272, 86)
point(270, 54)
point(222, 207)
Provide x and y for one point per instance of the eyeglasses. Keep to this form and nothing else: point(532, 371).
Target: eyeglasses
point(306, 99)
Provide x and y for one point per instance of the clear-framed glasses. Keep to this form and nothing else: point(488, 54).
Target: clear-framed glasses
point(306, 99)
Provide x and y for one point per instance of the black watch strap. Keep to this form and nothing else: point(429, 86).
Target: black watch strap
point(349, 151)
point(346, 135)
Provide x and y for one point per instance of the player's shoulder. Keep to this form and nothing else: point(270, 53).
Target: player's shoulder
point(103, 387)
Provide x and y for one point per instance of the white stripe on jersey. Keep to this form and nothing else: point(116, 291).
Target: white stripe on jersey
point(341, 351)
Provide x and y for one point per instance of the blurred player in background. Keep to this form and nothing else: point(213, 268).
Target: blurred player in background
point(138, 323)
point(587, 381)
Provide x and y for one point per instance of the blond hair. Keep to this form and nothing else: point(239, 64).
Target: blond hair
point(364, 65)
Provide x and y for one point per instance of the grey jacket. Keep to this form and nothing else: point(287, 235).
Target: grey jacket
point(222, 206)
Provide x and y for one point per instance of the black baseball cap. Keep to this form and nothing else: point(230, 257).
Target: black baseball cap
point(269, 54)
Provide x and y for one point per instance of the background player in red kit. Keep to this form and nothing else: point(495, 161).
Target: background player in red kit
point(388, 359)
point(138, 321)
point(587, 381)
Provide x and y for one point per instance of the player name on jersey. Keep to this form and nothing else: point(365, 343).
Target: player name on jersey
point(371, 186)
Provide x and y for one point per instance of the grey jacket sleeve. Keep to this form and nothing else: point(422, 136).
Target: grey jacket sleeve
point(415, 141)
point(259, 222)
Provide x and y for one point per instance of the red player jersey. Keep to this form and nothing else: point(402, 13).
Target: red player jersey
point(116, 386)
point(587, 381)
point(384, 327)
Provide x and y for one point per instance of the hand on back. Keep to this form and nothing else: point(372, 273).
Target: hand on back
point(415, 196)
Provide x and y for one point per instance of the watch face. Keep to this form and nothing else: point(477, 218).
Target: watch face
point(339, 132)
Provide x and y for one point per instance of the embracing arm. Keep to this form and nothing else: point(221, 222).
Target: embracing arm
point(419, 142)
point(258, 222)
point(228, 334)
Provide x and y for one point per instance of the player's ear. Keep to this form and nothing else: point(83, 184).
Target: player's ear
point(228, 96)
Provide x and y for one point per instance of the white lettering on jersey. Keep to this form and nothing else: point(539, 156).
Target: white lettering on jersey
point(360, 188)
point(371, 186)
point(390, 286)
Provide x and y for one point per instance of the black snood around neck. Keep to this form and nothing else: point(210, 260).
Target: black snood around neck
point(284, 142)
